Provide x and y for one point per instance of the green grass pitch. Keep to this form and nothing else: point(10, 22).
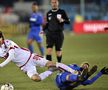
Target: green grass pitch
point(76, 49)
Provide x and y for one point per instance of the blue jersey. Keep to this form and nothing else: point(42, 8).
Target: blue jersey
point(63, 83)
point(36, 21)
point(75, 67)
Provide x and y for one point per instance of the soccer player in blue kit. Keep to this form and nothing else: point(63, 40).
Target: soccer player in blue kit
point(67, 81)
point(36, 21)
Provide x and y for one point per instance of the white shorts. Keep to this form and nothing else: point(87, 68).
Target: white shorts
point(30, 67)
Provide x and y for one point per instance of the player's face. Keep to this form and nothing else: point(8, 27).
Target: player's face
point(85, 66)
point(1, 41)
point(34, 8)
point(54, 4)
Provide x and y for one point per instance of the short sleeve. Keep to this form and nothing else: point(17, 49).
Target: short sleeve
point(8, 43)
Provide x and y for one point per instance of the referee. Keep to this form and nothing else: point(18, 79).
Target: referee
point(56, 18)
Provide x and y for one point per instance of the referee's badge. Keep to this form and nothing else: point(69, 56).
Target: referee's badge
point(58, 16)
point(49, 18)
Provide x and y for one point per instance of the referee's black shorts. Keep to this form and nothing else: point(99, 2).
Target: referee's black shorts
point(55, 39)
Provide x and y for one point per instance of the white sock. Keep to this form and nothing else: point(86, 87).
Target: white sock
point(66, 68)
point(45, 74)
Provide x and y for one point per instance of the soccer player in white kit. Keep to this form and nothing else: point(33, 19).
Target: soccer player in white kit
point(26, 61)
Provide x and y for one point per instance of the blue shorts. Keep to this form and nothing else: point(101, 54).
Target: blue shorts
point(35, 36)
point(63, 85)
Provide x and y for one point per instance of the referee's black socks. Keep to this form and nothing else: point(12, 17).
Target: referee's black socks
point(59, 58)
point(49, 57)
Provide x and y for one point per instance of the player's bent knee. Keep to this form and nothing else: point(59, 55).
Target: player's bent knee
point(36, 78)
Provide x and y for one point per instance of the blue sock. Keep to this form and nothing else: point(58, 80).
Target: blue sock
point(42, 50)
point(30, 48)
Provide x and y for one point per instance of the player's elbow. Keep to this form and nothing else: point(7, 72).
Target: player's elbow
point(36, 78)
point(1, 66)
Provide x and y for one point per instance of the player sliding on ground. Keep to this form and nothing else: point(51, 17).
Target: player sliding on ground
point(27, 61)
point(68, 81)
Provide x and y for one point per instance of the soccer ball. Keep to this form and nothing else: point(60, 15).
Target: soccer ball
point(7, 86)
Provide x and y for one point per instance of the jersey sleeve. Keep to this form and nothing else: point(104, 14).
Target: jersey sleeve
point(8, 46)
point(1, 53)
point(39, 20)
point(9, 58)
point(36, 19)
point(8, 43)
point(47, 17)
point(65, 17)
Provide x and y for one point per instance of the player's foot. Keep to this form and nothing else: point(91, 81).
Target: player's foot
point(92, 71)
point(104, 71)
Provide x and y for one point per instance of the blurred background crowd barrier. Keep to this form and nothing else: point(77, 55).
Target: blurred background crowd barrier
point(14, 14)
point(14, 29)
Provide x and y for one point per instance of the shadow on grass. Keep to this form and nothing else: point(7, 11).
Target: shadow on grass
point(96, 88)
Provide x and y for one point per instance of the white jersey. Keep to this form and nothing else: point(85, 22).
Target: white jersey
point(20, 55)
point(24, 59)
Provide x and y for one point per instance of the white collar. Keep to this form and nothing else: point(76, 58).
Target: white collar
point(54, 10)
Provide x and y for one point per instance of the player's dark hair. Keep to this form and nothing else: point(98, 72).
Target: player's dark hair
point(1, 35)
point(35, 3)
point(87, 64)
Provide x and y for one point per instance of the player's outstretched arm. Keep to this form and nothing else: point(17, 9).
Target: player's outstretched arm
point(10, 57)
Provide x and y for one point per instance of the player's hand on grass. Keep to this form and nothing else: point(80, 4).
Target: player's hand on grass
point(104, 70)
